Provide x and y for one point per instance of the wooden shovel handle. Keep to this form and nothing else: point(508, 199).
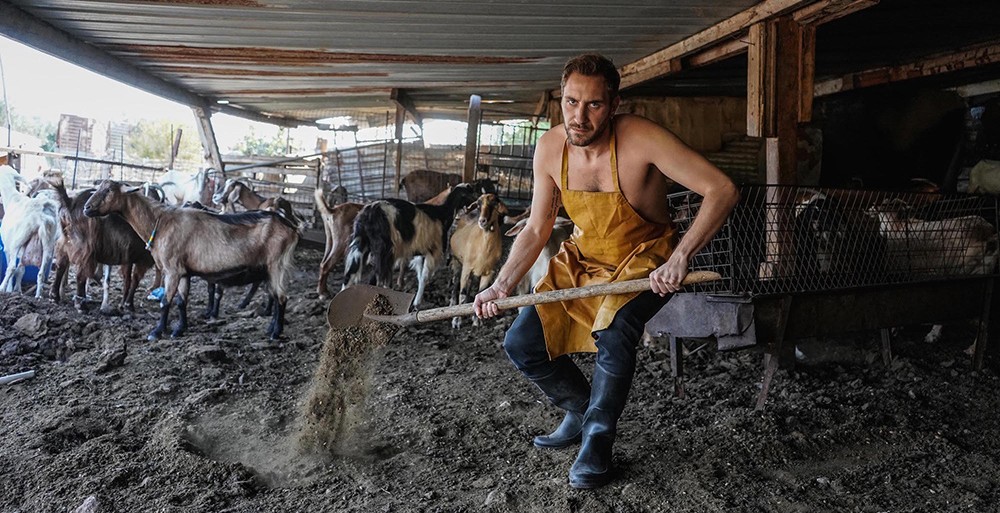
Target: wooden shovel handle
point(552, 296)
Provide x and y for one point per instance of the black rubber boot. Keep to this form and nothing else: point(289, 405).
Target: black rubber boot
point(568, 389)
point(592, 467)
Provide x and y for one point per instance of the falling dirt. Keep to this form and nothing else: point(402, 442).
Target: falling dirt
point(335, 404)
point(211, 421)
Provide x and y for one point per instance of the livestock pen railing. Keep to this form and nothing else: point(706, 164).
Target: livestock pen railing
point(81, 171)
point(800, 263)
point(784, 239)
point(504, 153)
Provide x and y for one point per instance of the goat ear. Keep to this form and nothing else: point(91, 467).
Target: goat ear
point(516, 229)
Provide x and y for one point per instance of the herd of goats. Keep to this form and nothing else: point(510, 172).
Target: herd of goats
point(164, 226)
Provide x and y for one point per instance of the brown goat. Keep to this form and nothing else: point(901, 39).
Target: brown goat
point(89, 242)
point(338, 221)
point(236, 192)
point(476, 248)
point(188, 242)
point(422, 184)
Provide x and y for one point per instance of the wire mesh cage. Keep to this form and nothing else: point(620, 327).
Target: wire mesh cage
point(783, 239)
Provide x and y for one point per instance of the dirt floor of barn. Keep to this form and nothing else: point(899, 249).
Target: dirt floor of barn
point(209, 422)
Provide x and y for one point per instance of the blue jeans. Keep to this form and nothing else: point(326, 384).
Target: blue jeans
point(616, 345)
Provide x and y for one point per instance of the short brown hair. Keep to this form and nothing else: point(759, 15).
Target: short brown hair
point(593, 64)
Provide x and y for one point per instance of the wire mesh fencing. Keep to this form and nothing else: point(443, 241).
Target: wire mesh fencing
point(504, 154)
point(784, 239)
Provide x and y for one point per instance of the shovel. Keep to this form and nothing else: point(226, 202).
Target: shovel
point(348, 307)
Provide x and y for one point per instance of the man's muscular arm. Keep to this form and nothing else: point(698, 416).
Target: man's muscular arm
point(545, 203)
point(687, 167)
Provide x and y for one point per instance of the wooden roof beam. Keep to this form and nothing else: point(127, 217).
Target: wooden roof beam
point(729, 37)
point(658, 64)
point(399, 97)
point(825, 12)
point(978, 55)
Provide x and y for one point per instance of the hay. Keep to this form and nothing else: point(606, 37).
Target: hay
point(334, 405)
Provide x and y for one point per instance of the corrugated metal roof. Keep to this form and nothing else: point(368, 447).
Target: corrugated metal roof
point(310, 59)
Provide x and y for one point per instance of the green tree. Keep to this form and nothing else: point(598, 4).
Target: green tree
point(254, 145)
point(153, 140)
point(36, 126)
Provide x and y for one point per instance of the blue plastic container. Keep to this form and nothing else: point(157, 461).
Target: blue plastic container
point(30, 272)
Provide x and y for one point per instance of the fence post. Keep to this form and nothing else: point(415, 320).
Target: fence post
point(76, 161)
point(471, 138)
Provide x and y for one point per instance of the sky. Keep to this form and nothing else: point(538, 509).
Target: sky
point(38, 84)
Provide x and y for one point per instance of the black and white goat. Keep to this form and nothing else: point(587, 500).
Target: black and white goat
point(391, 230)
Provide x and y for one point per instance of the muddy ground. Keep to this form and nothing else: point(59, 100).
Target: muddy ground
point(210, 422)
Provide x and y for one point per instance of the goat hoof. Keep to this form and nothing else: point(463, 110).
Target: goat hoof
point(153, 337)
point(456, 323)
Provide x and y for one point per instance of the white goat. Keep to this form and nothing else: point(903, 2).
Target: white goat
point(180, 187)
point(25, 217)
point(561, 231)
point(966, 245)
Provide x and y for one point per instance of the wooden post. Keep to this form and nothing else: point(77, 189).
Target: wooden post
point(780, 69)
point(788, 74)
point(760, 80)
point(400, 118)
point(203, 117)
point(472, 138)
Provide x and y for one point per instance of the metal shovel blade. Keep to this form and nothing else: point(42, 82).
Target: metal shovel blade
point(348, 307)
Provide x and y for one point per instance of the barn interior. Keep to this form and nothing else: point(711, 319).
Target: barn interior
point(834, 101)
point(860, 94)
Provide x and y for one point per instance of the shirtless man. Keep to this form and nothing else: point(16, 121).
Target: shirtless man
point(611, 174)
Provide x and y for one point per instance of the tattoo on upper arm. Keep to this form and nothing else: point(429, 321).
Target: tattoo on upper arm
point(556, 202)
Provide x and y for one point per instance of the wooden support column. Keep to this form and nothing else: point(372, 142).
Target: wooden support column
point(203, 118)
point(779, 96)
point(760, 80)
point(788, 83)
point(472, 138)
point(400, 118)
point(542, 108)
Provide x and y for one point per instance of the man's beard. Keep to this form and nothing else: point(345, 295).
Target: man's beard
point(582, 140)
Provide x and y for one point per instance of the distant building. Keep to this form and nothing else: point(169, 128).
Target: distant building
point(30, 166)
point(76, 135)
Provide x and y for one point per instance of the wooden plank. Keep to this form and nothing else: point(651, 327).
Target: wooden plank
point(400, 118)
point(760, 80)
point(401, 99)
point(472, 137)
point(807, 72)
point(656, 64)
point(788, 79)
point(825, 12)
point(543, 105)
point(203, 119)
point(717, 53)
point(970, 57)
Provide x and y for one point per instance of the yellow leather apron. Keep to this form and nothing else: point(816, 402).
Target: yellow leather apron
point(611, 242)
